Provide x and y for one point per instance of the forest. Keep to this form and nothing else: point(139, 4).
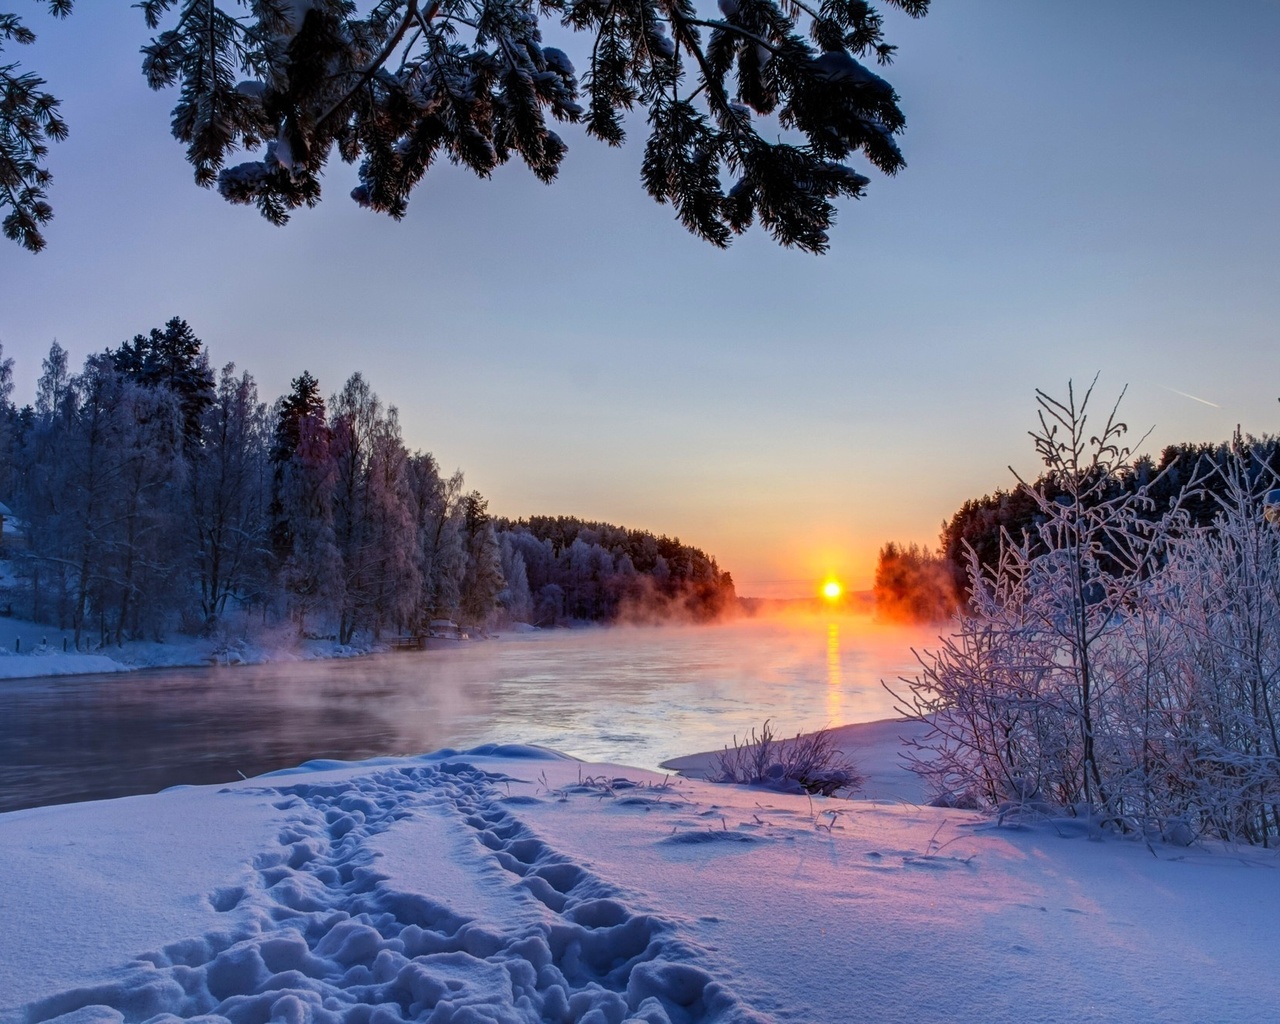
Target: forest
point(916, 584)
point(151, 494)
point(1193, 477)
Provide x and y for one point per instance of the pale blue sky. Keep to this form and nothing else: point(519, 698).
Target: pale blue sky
point(1090, 187)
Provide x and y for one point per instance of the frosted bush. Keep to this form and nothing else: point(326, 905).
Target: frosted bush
point(1117, 663)
point(809, 764)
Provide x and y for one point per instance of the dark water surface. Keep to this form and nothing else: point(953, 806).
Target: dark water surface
point(630, 696)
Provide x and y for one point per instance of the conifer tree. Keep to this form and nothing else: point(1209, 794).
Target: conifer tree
point(311, 571)
point(754, 114)
point(482, 582)
point(176, 359)
point(293, 412)
point(29, 121)
point(913, 585)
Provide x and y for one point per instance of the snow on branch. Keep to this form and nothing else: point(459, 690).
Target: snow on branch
point(395, 84)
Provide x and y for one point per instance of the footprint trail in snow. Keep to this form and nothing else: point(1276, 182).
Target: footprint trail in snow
point(321, 935)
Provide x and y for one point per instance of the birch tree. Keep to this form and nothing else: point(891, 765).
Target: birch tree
point(310, 572)
point(437, 510)
point(227, 496)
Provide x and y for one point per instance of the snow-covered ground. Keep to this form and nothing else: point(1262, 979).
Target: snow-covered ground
point(30, 649)
point(513, 884)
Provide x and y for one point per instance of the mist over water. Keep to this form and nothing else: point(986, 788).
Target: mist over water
point(633, 696)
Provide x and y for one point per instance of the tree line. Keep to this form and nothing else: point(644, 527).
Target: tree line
point(558, 566)
point(155, 494)
point(914, 583)
point(1193, 477)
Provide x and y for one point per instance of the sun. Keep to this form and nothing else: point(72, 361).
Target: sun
point(832, 590)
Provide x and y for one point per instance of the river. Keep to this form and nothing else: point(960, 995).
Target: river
point(633, 696)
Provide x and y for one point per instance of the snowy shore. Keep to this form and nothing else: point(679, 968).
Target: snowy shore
point(514, 884)
point(875, 747)
point(31, 649)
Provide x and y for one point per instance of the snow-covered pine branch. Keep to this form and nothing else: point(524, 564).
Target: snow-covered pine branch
point(392, 85)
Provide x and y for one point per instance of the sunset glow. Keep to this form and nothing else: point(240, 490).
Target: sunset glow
point(659, 541)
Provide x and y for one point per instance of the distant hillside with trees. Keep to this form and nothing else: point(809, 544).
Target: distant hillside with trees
point(155, 494)
point(915, 584)
point(1190, 476)
point(601, 572)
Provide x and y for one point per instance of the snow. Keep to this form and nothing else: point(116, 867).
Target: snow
point(281, 152)
point(295, 13)
point(558, 61)
point(874, 746)
point(838, 66)
point(510, 883)
point(55, 663)
point(82, 894)
point(661, 43)
point(29, 649)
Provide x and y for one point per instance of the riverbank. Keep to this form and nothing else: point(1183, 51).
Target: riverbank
point(874, 747)
point(513, 884)
point(33, 649)
point(29, 650)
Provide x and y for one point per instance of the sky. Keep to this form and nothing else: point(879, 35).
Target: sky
point(1090, 190)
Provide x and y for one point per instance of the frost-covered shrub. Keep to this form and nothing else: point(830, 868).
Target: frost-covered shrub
point(1018, 696)
point(810, 764)
point(1223, 609)
point(1119, 664)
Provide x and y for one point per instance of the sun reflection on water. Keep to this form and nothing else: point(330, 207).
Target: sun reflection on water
point(835, 680)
